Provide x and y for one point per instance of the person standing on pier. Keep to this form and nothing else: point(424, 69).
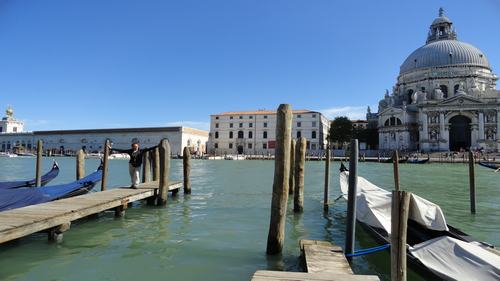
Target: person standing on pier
point(134, 165)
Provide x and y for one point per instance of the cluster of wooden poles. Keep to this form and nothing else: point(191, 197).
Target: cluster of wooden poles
point(289, 179)
point(156, 167)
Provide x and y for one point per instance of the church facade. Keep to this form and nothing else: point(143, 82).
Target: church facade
point(445, 98)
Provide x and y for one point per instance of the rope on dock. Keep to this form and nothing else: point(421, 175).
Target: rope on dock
point(369, 251)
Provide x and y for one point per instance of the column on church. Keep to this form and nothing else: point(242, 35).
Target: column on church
point(481, 126)
point(425, 128)
point(498, 124)
point(443, 134)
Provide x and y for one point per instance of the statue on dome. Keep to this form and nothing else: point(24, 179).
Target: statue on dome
point(9, 112)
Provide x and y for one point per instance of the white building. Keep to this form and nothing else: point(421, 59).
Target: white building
point(9, 124)
point(92, 140)
point(253, 132)
point(444, 98)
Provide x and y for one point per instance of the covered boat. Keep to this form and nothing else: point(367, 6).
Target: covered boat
point(436, 250)
point(50, 175)
point(490, 165)
point(21, 197)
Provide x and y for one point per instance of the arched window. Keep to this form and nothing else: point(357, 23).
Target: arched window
point(240, 134)
point(455, 89)
point(250, 134)
point(231, 134)
point(387, 122)
point(408, 96)
point(444, 89)
point(398, 121)
point(216, 135)
point(393, 121)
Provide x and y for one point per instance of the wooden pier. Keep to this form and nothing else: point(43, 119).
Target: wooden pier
point(324, 262)
point(56, 216)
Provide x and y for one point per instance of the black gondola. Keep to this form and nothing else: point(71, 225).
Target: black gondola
point(490, 165)
point(416, 161)
point(50, 175)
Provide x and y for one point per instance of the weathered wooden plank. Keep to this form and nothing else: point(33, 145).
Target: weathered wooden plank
point(266, 275)
point(324, 257)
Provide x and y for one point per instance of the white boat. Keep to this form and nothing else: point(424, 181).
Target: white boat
point(25, 154)
point(437, 250)
point(119, 156)
point(234, 157)
point(93, 155)
point(7, 154)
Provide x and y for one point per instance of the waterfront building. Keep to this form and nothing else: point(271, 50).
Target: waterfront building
point(9, 124)
point(253, 132)
point(445, 97)
point(92, 140)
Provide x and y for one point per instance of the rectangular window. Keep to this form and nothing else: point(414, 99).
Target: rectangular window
point(314, 115)
point(299, 124)
point(216, 125)
point(264, 145)
point(265, 124)
point(313, 146)
point(241, 125)
point(299, 134)
point(251, 117)
point(231, 117)
point(14, 129)
point(264, 135)
point(249, 146)
point(230, 125)
point(250, 134)
point(265, 116)
point(314, 123)
point(216, 145)
point(313, 134)
point(216, 135)
point(250, 125)
point(241, 117)
point(299, 116)
point(230, 145)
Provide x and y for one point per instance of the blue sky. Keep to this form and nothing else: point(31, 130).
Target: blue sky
point(68, 64)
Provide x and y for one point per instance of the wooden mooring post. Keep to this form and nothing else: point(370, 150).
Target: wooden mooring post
point(105, 165)
point(146, 167)
point(300, 158)
point(164, 149)
point(395, 163)
point(80, 164)
point(186, 168)
point(327, 178)
point(399, 226)
point(291, 178)
point(351, 198)
point(155, 157)
point(472, 183)
point(276, 236)
point(39, 155)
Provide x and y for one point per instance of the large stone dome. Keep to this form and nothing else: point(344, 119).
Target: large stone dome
point(444, 53)
point(443, 49)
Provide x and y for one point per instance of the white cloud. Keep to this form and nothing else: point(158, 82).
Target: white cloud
point(191, 124)
point(352, 112)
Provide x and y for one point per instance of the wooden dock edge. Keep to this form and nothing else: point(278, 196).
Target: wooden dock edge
point(53, 215)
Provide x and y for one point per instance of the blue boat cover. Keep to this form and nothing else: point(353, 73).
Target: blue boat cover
point(50, 175)
point(21, 197)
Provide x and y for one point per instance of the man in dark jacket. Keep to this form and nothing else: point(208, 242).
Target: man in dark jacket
point(134, 165)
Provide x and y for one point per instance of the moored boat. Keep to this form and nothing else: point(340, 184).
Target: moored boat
point(22, 197)
point(417, 161)
point(7, 155)
point(46, 178)
point(436, 250)
point(490, 165)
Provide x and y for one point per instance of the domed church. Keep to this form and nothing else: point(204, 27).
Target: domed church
point(445, 98)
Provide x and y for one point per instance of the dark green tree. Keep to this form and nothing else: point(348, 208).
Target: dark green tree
point(341, 130)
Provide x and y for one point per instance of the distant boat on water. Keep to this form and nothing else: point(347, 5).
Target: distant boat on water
point(25, 154)
point(7, 154)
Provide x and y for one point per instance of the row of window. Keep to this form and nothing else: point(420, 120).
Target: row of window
point(241, 134)
point(250, 146)
point(393, 121)
point(265, 117)
point(264, 124)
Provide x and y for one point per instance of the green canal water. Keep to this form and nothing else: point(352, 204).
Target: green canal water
point(219, 232)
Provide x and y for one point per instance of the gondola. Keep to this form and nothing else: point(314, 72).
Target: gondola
point(436, 250)
point(416, 161)
point(390, 160)
point(50, 175)
point(490, 165)
point(22, 197)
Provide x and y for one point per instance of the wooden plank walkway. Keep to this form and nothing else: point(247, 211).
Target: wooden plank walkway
point(324, 262)
point(24, 221)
